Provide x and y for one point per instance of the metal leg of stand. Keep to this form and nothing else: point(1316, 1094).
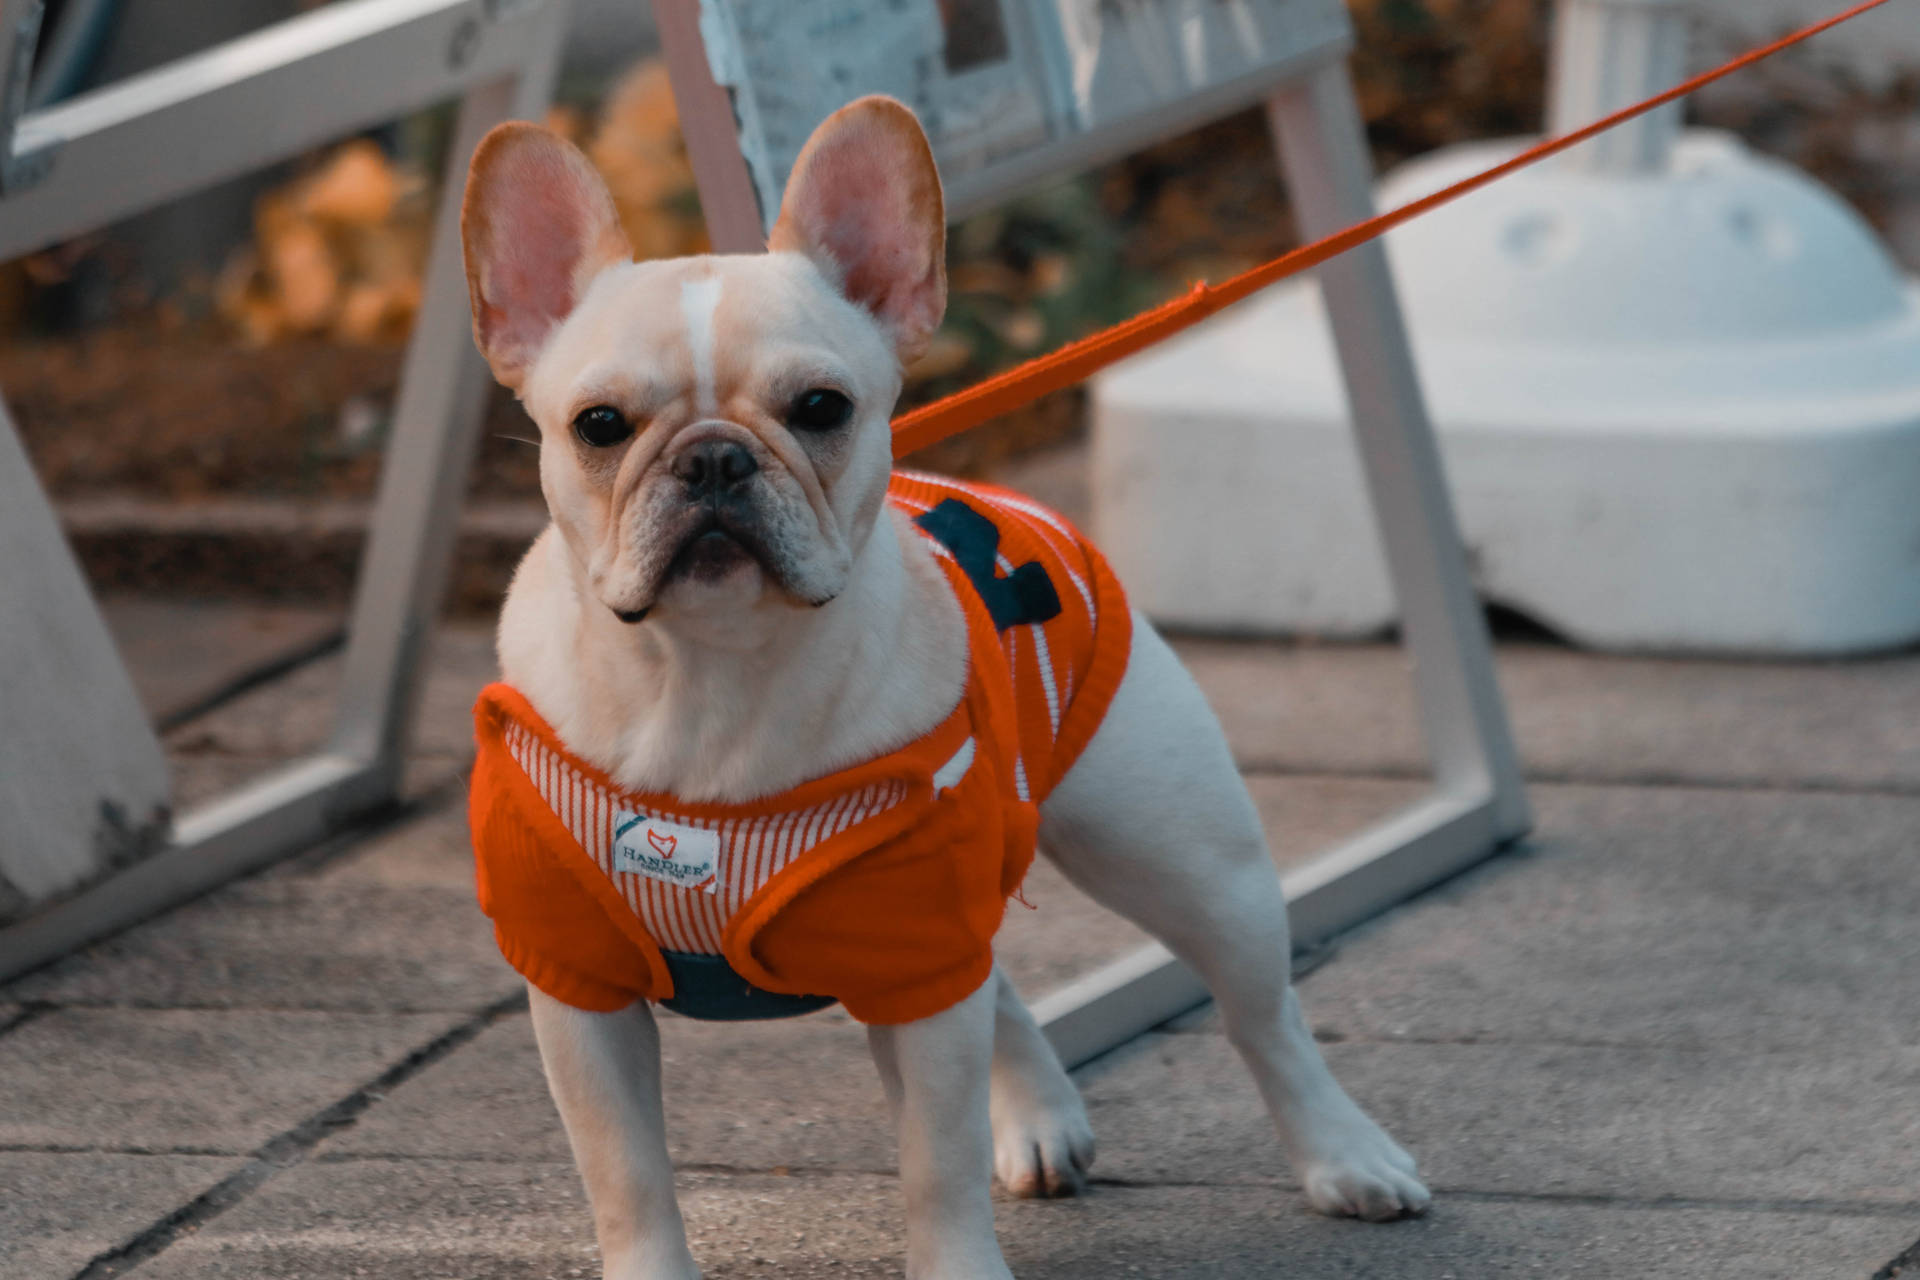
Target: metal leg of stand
point(402, 581)
point(1317, 126)
point(727, 198)
point(1478, 801)
point(403, 575)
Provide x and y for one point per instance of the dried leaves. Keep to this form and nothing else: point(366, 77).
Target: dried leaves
point(338, 251)
point(1433, 72)
point(638, 149)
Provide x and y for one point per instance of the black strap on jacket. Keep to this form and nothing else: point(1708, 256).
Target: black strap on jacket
point(1025, 595)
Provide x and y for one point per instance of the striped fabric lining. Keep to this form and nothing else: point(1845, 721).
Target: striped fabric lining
point(752, 850)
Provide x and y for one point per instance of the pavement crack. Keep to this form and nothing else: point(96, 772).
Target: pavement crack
point(416, 807)
point(1324, 1035)
point(253, 677)
point(1728, 1204)
point(291, 1148)
point(436, 1157)
point(104, 1149)
point(215, 1006)
point(27, 1012)
point(1687, 782)
point(712, 1168)
point(783, 1170)
point(1733, 1204)
point(1468, 1039)
point(1652, 779)
point(1907, 1264)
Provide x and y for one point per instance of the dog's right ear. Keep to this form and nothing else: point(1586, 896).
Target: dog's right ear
point(538, 225)
point(864, 203)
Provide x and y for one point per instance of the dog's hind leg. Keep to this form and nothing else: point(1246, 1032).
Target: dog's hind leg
point(1042, 1143)
point(604, 1070)
point(1154, 822)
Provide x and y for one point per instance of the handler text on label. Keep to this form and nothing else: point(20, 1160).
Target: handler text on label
point(666, 851)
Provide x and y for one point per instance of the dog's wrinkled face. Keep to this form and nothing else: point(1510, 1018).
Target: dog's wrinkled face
point(714, 430)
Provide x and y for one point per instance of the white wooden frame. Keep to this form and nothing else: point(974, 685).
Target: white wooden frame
point(1478, 800)
point(80, 164)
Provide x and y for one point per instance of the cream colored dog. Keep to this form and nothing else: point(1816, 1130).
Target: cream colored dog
point(808, 630)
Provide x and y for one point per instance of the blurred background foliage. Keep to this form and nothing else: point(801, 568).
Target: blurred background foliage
point(266, 366)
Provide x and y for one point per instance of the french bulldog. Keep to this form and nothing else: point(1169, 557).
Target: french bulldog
point(727, 605)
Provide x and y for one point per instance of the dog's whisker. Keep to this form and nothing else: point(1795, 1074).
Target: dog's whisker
point(503, 435)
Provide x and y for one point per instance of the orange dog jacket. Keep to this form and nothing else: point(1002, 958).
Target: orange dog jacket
point(880, 886)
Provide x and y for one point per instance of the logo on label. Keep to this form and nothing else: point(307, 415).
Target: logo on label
point(666, 851)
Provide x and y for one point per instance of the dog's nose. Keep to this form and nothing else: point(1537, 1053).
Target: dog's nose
point(714, 466)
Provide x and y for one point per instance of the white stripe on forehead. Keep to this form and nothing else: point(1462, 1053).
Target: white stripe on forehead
point(699, 299)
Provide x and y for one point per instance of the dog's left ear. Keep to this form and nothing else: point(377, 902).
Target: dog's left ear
point(538, 225)
point(864, 203)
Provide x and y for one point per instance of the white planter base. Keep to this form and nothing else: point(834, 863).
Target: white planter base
point(1675, 414)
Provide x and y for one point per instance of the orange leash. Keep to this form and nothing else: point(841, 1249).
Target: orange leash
point(1079, 360)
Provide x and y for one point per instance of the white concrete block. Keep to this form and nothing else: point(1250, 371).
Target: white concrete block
point(1677, 413)
point(83, 783)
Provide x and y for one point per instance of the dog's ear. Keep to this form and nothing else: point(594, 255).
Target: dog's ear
point(864, 203)
point(538, 224)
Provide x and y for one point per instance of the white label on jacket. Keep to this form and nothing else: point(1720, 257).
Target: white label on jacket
point(666, 851)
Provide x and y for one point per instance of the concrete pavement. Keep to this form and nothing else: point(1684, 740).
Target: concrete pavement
point(1675, 1034)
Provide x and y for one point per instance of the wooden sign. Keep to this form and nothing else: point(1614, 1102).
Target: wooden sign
point(1012, 92)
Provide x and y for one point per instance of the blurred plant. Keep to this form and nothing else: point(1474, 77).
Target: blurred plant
point(340, 250)
point(337, 251)
point(1026, 277)
point(1860, 138)
point(638, 149)
point(332, 276)
point(1433, 72)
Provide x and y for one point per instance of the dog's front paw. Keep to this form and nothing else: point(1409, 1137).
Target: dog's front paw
point(1373, 1189)
point(1351, 1168)
point(1041, 1147)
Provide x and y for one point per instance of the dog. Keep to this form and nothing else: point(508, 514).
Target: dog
point(739, 612)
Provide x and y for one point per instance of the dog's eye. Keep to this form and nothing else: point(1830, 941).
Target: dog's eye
point(819, 410)
point(601, 426)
